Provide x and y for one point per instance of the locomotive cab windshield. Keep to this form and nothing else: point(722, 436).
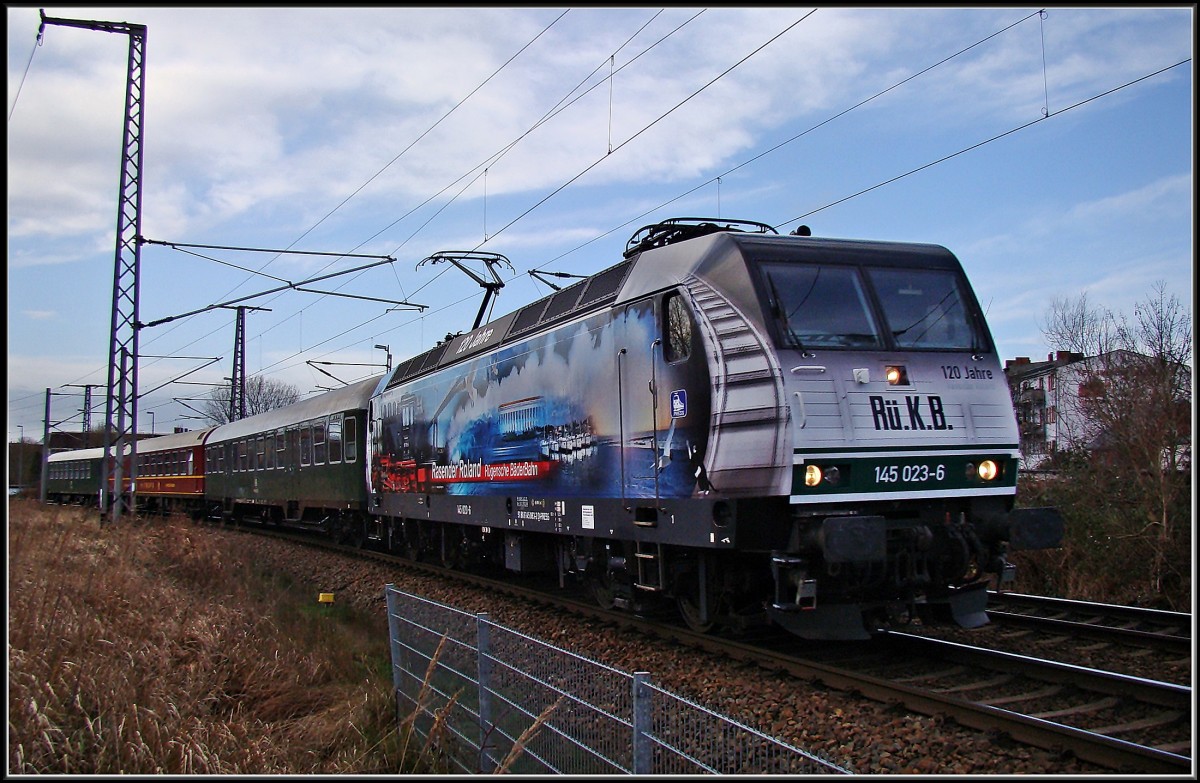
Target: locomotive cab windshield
point(842, 306)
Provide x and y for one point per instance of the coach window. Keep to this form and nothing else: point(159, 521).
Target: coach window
point(270, 463)
point(677, 341)
point(280, 446)
point(335, 439)
point(305, 444)
point(191, 462)
point(293, 446)
point(319, 442)
point(260, 460)
point(350, 438)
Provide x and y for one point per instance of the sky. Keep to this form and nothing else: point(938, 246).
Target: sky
point(1051, 152)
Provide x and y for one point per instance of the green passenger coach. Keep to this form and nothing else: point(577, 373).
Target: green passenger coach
point(301, 464)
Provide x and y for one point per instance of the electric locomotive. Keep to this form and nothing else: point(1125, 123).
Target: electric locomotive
point(762, 428)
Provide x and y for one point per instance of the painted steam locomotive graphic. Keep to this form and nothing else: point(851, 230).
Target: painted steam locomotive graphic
point(496, 426)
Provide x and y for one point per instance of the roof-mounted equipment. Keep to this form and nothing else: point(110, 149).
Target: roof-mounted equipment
point(491, 288)
point(668, 232)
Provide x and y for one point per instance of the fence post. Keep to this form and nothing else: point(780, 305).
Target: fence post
point(643, 749)
point(393, 613)
point(487, 761)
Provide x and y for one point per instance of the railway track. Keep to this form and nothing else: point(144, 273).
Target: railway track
point(1156, 628)
point(1145, 643)
point(1129, 724)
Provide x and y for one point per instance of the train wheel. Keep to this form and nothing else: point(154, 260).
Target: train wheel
point(690, 611)
point(603, 588)
point(688, 601)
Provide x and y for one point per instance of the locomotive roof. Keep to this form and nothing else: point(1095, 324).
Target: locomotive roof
point(352, 396)
point(644, 272)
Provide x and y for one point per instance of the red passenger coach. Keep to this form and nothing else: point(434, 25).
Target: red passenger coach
point(170, 474)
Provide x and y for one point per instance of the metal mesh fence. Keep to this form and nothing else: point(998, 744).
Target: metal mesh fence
point(486, 698)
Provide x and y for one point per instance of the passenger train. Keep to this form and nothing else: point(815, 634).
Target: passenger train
point(761, 428)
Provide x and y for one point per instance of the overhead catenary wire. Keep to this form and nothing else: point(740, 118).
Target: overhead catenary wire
point(361, 187)
point(389, 164)
point(969, 148)
point(414, 142)
point(560, 106)
point(642, 130)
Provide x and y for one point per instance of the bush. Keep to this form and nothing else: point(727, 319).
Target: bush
point(1114, 550)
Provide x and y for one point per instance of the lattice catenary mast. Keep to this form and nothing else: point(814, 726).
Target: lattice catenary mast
point(121, 403)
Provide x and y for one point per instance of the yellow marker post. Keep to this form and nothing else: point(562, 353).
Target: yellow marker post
point(325, 598)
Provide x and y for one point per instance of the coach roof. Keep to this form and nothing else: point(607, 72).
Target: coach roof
point(350, 397)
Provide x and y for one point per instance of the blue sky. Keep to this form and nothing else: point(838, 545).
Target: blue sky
point(1053, 156)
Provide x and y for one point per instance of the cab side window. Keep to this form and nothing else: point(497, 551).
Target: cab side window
point(677, 325)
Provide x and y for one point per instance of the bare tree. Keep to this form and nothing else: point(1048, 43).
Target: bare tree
point(1136, 401)
point(262, 394)
point(1077, 326)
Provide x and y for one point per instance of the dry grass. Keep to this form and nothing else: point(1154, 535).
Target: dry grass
point(150, 648)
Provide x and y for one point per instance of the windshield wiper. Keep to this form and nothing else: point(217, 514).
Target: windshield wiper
point(778, 311)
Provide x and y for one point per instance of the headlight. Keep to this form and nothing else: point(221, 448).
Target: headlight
point(988, 470)
point(896, 374)
point(812, 476)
